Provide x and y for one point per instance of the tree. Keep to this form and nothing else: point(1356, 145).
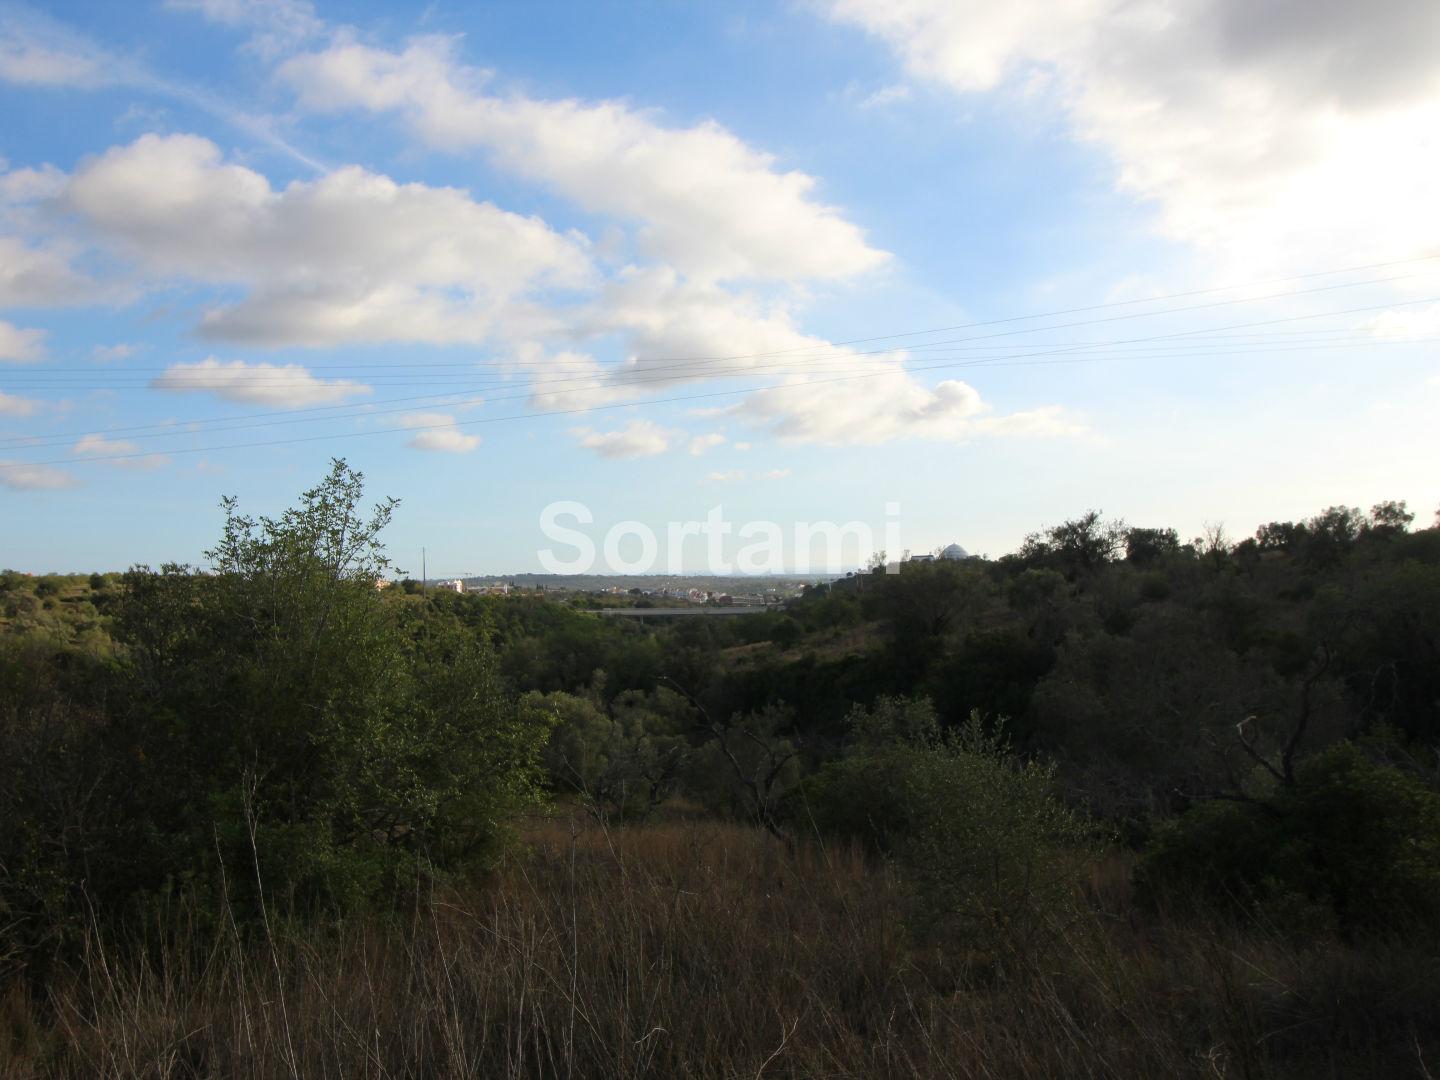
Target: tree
point(1349, 840)
point(284, 712)
point(623, 761)
point(1077, 547)
point(925, 603)
point(748, 764)
point(1214, 544)
point(1389, 518)
point(1332, 534)
point(1285, 536)
point(1146, 546)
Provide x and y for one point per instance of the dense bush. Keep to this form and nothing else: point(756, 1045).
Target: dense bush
point(276, 723)
point(624, 760)
point(988, 846)
point(1352, 841)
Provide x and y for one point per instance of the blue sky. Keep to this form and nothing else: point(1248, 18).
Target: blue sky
point(657, 258)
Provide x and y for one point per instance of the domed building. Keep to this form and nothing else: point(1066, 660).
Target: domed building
point(955, 553)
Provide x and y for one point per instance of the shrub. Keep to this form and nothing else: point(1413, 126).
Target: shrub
point(981, 835)
point(623, 761)
point(749, 766)
point(1352, 839)
point(276, 719)
point(786, 631)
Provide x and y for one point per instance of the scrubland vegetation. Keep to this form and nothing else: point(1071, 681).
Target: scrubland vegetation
point(1114, 805)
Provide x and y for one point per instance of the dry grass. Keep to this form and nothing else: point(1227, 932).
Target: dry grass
point(708, 950)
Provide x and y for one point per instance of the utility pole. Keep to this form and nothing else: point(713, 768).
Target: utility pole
point(422, 573)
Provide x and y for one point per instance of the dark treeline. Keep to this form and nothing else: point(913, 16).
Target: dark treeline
point(1242, 733)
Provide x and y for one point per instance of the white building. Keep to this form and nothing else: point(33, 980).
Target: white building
point(952, 553)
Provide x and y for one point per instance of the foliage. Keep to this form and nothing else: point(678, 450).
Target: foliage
point(276, 723)
point(624, 759)
point(989, 847)
point(1078, 547)
point(1352, 838)
point(278, 711)
point(748, 765)
point(1146, 546)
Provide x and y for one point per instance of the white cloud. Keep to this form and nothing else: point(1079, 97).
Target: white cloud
point(426, 419)
point(37, 50)
point(1046, 422)
point(97, 446)
point(38, 277)
point(701, 443)
point(639, 438)
point(284, 385)
point(890, 404)
point(277, 24)
point(446, 439)
point(574, 380)
point(18, 476)
point(675, 332)
point(106, 354)
point(742, 446)
point(680, 332)
point(439, 433)
point(710, 330)
point(11, 405)
point(735, 476)
point(1269, 134)
point(886, 95)
point(21, 186)
point(29, 63)
point(41, 51)
point(20, 346)
point(705, 201)
point(1406, 323)
point(351, 257)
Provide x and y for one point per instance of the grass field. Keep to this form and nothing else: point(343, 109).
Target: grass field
point(696, 949)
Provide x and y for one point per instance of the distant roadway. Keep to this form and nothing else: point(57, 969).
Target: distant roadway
point(677, 612)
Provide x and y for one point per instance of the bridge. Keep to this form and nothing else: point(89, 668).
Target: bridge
point(677, 613)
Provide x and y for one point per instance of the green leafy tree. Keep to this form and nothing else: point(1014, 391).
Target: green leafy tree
point(625, 760)
point(1146, 546)
point(1078, 547)
point(286, 714)
point(1389, 518)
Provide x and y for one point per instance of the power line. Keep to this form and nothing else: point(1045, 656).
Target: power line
point(693, 397)
point(361, 370)
point(301, 378)
point(624, 378)
point(653, 371)
point(1149, 300)
point(360, 411)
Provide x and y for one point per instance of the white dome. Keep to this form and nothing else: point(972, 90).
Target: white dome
point(954, 551)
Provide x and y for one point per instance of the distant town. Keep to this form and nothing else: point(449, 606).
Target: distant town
point(658, 590)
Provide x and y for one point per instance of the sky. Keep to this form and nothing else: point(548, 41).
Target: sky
point(957, 269)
